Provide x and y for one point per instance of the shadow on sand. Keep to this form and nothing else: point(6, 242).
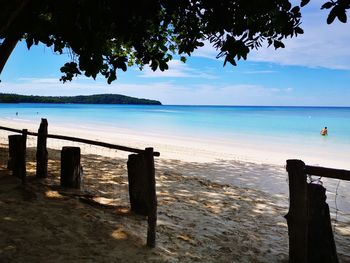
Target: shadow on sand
point(198, 220)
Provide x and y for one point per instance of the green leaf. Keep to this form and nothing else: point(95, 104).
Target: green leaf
point(199, 44)
point(295, 10)
point(163, 48)
point(342, 15)
point(332, 15)
point(230, 58)
point(29, 42)
point(278, 44)
point(112, 77)
point(299, 30)
point(327, 5)
point(304, 2)
point(163, 66)
point(154, 64)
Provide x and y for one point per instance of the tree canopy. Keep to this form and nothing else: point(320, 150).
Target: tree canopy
point(106, 35)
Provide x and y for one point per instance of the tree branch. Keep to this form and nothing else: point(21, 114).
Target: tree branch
point(12, 18)
point(9, 44)
point(5, 51)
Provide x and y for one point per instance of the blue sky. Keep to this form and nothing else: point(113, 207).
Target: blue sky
point(313, 70)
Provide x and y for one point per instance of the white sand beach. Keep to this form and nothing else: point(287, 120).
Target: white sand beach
point(217, 202)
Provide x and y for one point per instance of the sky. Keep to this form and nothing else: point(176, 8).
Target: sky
point(313, 70)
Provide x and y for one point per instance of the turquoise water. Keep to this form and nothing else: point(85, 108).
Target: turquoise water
point(301, 124)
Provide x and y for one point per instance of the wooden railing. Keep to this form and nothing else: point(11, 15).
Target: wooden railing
point(141, 169)
point(310, 232)
point(81, 140)
point(327, 172)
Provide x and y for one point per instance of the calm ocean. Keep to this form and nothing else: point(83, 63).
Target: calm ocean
point(291, 124)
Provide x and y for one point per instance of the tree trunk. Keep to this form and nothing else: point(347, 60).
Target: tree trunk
point(41, 150)
point(6, 49)
point(8, 45)
point(71, 170)
point(15, 14)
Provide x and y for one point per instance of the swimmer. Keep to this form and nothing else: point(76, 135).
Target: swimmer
point(324, 131)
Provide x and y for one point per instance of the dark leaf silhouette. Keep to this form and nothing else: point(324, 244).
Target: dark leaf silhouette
point(304, 2)
point(105, 36)
point(332, 15)
point(327, 5)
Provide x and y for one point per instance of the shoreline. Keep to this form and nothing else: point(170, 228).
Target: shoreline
point(243, 164)
point(208, 200)
point(199, 149)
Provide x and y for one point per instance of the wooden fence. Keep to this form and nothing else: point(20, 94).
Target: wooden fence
point(309, 225)
point(141, 169)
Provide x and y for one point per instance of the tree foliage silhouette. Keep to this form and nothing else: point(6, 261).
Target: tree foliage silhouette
point(104, 36)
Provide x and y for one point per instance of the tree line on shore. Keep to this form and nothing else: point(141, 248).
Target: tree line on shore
point(83, 99)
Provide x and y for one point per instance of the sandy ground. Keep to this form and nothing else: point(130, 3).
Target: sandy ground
point(198, 220)
point(212, 207)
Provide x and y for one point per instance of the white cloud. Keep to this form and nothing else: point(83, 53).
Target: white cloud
point(177, 69)
point(321, 45)
point(166, 92)
point(39, 80)
point(207, 51)
point(259, 72)
point(170, 93)
point(241, 94)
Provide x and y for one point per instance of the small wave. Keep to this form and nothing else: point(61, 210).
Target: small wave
point(16, 119)
point(167, 111)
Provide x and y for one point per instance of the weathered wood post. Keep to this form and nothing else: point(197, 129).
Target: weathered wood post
point(71, 170)
point(321, 245)
point(152, 201)
point(297, 217)
point(17, 160)
point(142, 190)
point(41, 150)
point(22, 156)
point(12, 142)
point(138, 183)
point(24, 135)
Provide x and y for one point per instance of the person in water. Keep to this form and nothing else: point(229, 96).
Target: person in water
point(324, 131)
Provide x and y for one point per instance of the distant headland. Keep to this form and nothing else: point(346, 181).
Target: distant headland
point(82, 99)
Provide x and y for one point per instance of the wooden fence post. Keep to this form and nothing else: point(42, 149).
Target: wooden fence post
point(17, 160)
point(12, 142)
point(142, 190)
point(297, 217)
point(138, 184)
point(24, 135)
point(41, 150)
point(321, 245)
point(22, 156)
point(152, 201)
point(71, 170)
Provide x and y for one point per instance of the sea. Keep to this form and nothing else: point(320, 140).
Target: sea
point(292, 124)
